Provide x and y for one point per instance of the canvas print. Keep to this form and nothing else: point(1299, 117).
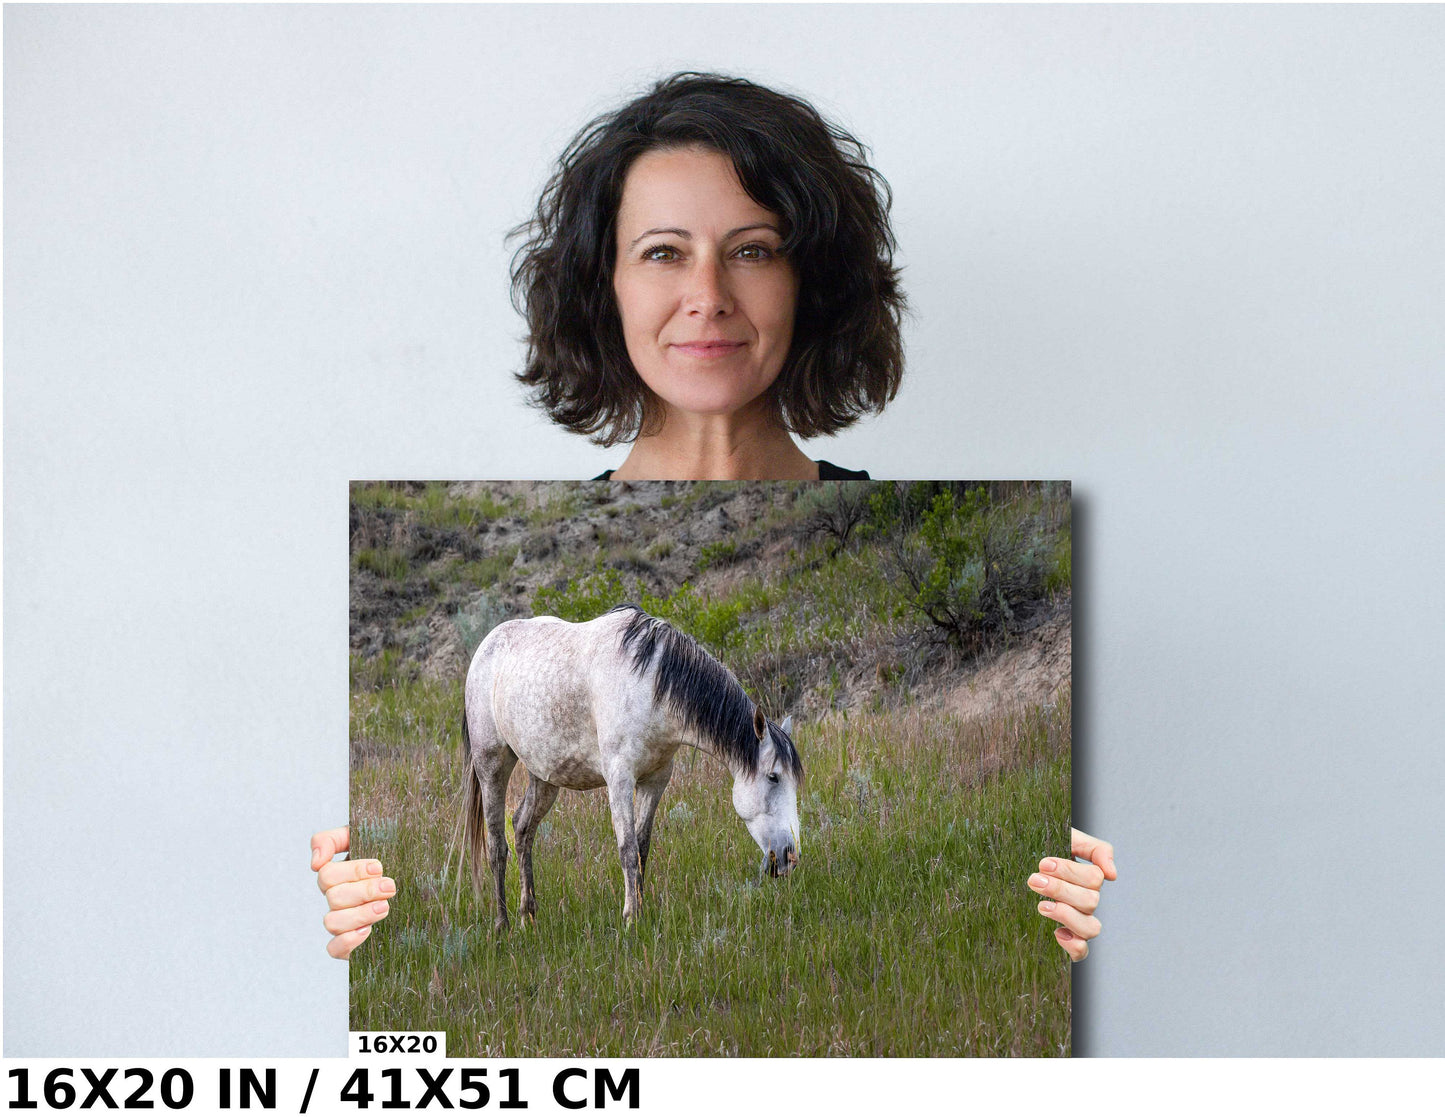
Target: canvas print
point(712, 768)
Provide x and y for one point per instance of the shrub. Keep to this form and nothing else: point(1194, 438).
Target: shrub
point(581, 598)
point(839, 513)
point(721, 553)
point(972, 566)
point(716, 624)
point(479, 618)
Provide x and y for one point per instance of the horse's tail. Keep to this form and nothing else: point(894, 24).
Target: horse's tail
point(476, 837)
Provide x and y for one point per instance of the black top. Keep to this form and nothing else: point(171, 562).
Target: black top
point(827, 471)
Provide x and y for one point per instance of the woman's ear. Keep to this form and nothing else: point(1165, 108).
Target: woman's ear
point(760, 723)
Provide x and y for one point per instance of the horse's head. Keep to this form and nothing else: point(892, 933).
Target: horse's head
point(767, 798)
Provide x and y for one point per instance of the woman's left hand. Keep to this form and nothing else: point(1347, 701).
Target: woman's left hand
point(1072, 891)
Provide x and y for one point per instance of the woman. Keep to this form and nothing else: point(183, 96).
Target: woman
point(709, 273)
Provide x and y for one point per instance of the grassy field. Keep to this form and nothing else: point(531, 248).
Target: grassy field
point(907, 929)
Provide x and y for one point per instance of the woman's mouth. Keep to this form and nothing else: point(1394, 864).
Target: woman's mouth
point(706, 349)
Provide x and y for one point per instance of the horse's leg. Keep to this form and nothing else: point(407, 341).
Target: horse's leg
point(535, 804)
point(619, 795)
point(494, 776)
point(649, 794)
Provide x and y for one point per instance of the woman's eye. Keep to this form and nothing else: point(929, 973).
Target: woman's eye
point(660, 252)
point(754, 252)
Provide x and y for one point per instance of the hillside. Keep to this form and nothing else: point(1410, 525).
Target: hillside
point(746, 567)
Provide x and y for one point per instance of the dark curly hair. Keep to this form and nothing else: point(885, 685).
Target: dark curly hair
point(847, 353)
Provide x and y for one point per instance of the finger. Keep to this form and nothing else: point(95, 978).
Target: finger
point(342, 945)
point(1100, 852)
point(326, 844)
point(1076, 947)
point(1083, 873)
point(1085, 899)
point(339, 872)
point(1082, 926)
point(349, 919)
point(353, 894)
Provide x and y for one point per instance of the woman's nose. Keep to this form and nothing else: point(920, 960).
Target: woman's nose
point(708, 294)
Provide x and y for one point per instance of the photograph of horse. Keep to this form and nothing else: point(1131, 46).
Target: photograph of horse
point(607, 703)
point(813, 738)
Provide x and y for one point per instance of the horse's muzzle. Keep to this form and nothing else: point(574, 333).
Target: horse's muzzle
point(781, 866)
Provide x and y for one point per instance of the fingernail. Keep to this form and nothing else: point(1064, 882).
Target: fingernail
point(386, 886)
point(373, 867)
point(1038, 881)
point(364, 932)
point(1049, 865)
point(1111, 865)
point(1065, 933)
point(1047, 905)
point(381, 907)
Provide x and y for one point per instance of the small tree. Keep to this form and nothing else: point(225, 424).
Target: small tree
point(835, 519)
point(972, 566)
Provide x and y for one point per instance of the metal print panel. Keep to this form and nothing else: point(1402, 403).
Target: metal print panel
point(712, 768)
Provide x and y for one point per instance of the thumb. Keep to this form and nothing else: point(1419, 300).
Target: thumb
point(326, 844)
point(1100, 852)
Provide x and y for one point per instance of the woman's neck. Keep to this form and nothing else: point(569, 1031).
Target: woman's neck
point(742, 446)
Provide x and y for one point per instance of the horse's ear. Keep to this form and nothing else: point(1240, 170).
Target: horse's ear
point(760, 723)
point(787, 726)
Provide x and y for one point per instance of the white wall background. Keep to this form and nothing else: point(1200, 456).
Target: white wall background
point(1193, 258)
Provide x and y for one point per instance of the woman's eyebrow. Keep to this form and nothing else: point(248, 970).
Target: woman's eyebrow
point(685, 235)
point(748, 228)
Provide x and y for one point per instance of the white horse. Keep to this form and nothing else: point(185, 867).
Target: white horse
point(607, 703)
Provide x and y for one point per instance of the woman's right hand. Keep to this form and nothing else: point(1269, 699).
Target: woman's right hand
point(356, 891)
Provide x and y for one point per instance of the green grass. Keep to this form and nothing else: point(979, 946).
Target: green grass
point(562, 506)
point(906, 930)
point(433, 505)
point(483, 572)
point(720, 553)
point(809, 606)
point(384, 562)
point(1059, 577)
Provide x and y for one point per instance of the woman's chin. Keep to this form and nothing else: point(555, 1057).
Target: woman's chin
point(709, 405)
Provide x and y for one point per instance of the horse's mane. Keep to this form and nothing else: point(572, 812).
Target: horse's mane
point(701, 691)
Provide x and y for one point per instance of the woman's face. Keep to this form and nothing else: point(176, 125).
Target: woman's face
point(706, 300)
